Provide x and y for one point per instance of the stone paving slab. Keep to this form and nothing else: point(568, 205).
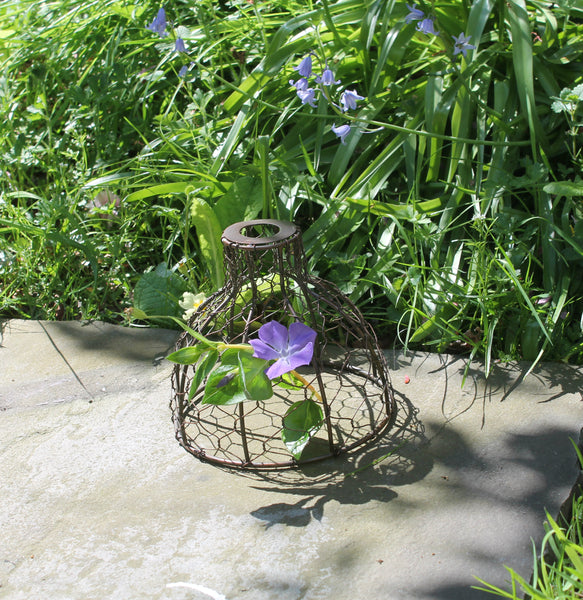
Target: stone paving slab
point(99, 500)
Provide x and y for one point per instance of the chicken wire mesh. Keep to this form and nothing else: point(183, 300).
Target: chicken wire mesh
point(266, 280)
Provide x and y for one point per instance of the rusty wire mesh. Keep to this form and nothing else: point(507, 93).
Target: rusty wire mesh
point(266, 279)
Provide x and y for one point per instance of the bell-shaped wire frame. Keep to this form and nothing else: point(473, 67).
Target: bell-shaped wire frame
point(267, 280)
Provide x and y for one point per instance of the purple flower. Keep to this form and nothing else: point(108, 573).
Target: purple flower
point(327, 78)
point(183, 71)
point(305, 67)
point(349, 99)
point(426, 26)
point(300, 84)
point(290, 348)
point(180, 46)
point(158, 25)
point(414, 15)
point(461, 44)
point(308, 97)
point(342, 131)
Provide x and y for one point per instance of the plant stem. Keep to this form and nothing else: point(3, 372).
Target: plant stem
point(306, 384)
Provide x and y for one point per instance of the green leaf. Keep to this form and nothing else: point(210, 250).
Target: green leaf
point(242, 201)
point(248, 89)
point(187, 356)
point(522, 58)
point(231, 356)
point(209, 232)
point(255, 382)
point(158, 293)
point(224, 387)
point(564, 188)
point(202, 371)
point(302, 420)
point(288, 382)
point(159, 190)
point(438, 320)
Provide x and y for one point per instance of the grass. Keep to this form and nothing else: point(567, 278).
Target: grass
point(452, 216)
point(558, 569)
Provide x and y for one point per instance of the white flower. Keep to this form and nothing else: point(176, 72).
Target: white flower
point(190, 302)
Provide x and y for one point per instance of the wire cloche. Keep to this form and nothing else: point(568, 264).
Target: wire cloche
point(266, 279)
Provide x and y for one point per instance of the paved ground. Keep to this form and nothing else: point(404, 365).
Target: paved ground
point(100, 502)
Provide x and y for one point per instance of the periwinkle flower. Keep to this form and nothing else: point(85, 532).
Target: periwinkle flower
point(180, 46)
point(341, 131)
point(305, 67)
point(427, 26)
point(414, 14)
point(327, 78)
point(462, 44)
point(349, 99)
point(290, 348)
point(183, 72)
point(307, 96)
point(158, 25)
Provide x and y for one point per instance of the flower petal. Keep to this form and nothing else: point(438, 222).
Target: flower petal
point(275, 335)
point(301, 357)
point(263, 350)
point(299, 336)
point(278, 368)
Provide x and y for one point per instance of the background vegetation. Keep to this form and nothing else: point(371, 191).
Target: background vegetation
point(452, 215)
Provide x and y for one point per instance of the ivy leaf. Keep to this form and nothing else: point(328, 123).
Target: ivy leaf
point(302, 420)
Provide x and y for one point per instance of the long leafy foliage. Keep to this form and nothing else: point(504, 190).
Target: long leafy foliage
point(452, 215)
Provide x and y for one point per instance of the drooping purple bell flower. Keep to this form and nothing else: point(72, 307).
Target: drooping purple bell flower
point(414, 14)
point(349, 99)
point(308, 96)
point(341, 131)
point(427, 26)
point(158, 25)
point(327, 78)
point(300, 85)
point(305, 67)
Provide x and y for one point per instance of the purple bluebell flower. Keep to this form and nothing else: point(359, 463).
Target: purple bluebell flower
point(327, 78)
point(427, 26)
point(158, 25)
point(184, 70)
point(300, 84)
point(305, 67)
point(414, 14)
point(341, 131)
point(349, 99)
point(308, 96)
point(180, 46)
point(462, 44)
point(290, 348)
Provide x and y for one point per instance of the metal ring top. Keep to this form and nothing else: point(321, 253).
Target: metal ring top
point(233, 235)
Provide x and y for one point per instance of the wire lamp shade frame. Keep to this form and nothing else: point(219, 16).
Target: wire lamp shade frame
point(266, 279)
